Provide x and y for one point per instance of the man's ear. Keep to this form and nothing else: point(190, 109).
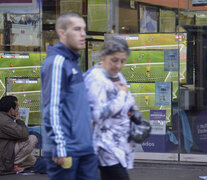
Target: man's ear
point(10, 111)
point(61, 33)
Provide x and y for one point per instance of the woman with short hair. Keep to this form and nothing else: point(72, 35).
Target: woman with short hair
point(110, 102)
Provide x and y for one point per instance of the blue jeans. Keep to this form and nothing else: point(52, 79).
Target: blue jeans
point(83, 168)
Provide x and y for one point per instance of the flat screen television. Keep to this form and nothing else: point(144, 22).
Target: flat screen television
point(27, 91)
point(151, 97)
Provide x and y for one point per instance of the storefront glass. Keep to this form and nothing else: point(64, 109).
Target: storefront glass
point(161, 71)
point(21, 56)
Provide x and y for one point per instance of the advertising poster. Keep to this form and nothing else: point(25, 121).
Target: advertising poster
point(25, 23)
point(158, 127)
point(163, 93)
point(155, 143)
point(27, 34)
point(171, 60)
point(94, 52)
point(94, 57)
point(200, 130)
point(148, 19)
point(24, 114)
point(158, 121)
point(158, 115)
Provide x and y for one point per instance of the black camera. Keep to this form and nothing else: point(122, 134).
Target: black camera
point(135, 116)
point(140, 128)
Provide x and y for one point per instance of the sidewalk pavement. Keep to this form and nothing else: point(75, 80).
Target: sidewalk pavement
point(142, 171)
point(167, 171)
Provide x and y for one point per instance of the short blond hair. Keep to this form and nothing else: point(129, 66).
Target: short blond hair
point(64, 20)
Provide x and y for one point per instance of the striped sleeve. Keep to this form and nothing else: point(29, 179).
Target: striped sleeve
point(55, 105)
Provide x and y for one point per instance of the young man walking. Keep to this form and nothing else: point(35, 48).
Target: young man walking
point(67, 133)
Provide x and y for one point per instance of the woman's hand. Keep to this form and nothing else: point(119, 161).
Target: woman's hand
point(122, 87)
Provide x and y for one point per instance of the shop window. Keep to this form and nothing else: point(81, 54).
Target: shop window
point(167, 20)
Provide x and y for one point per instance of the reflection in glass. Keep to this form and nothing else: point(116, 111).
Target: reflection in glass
point(99, 15)
point(201, 18)
point(185, 18)
point(167, 21)
point(148, 19)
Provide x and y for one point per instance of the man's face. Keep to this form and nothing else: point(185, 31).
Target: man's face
point(14, 112)
point(74, 36)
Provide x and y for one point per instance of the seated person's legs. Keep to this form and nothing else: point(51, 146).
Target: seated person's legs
point(23, 150)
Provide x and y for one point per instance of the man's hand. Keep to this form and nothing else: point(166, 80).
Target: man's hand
point(59, 160)
point(18, 115)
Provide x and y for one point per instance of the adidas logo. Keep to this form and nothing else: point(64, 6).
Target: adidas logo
point(74, 71)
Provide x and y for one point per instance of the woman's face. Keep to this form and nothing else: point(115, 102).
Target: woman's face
point(114, 63)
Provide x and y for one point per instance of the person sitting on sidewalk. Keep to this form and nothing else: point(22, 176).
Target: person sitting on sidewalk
point(16, 145)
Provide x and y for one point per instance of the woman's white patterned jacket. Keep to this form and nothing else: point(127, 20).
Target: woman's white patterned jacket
point(111, 124)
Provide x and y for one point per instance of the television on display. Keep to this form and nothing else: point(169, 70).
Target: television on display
point(145, 66)
point(156, 57)
point(27, 91)
point(20, 74)
point(156, 51)
point(153, 97)
point(20, 64)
